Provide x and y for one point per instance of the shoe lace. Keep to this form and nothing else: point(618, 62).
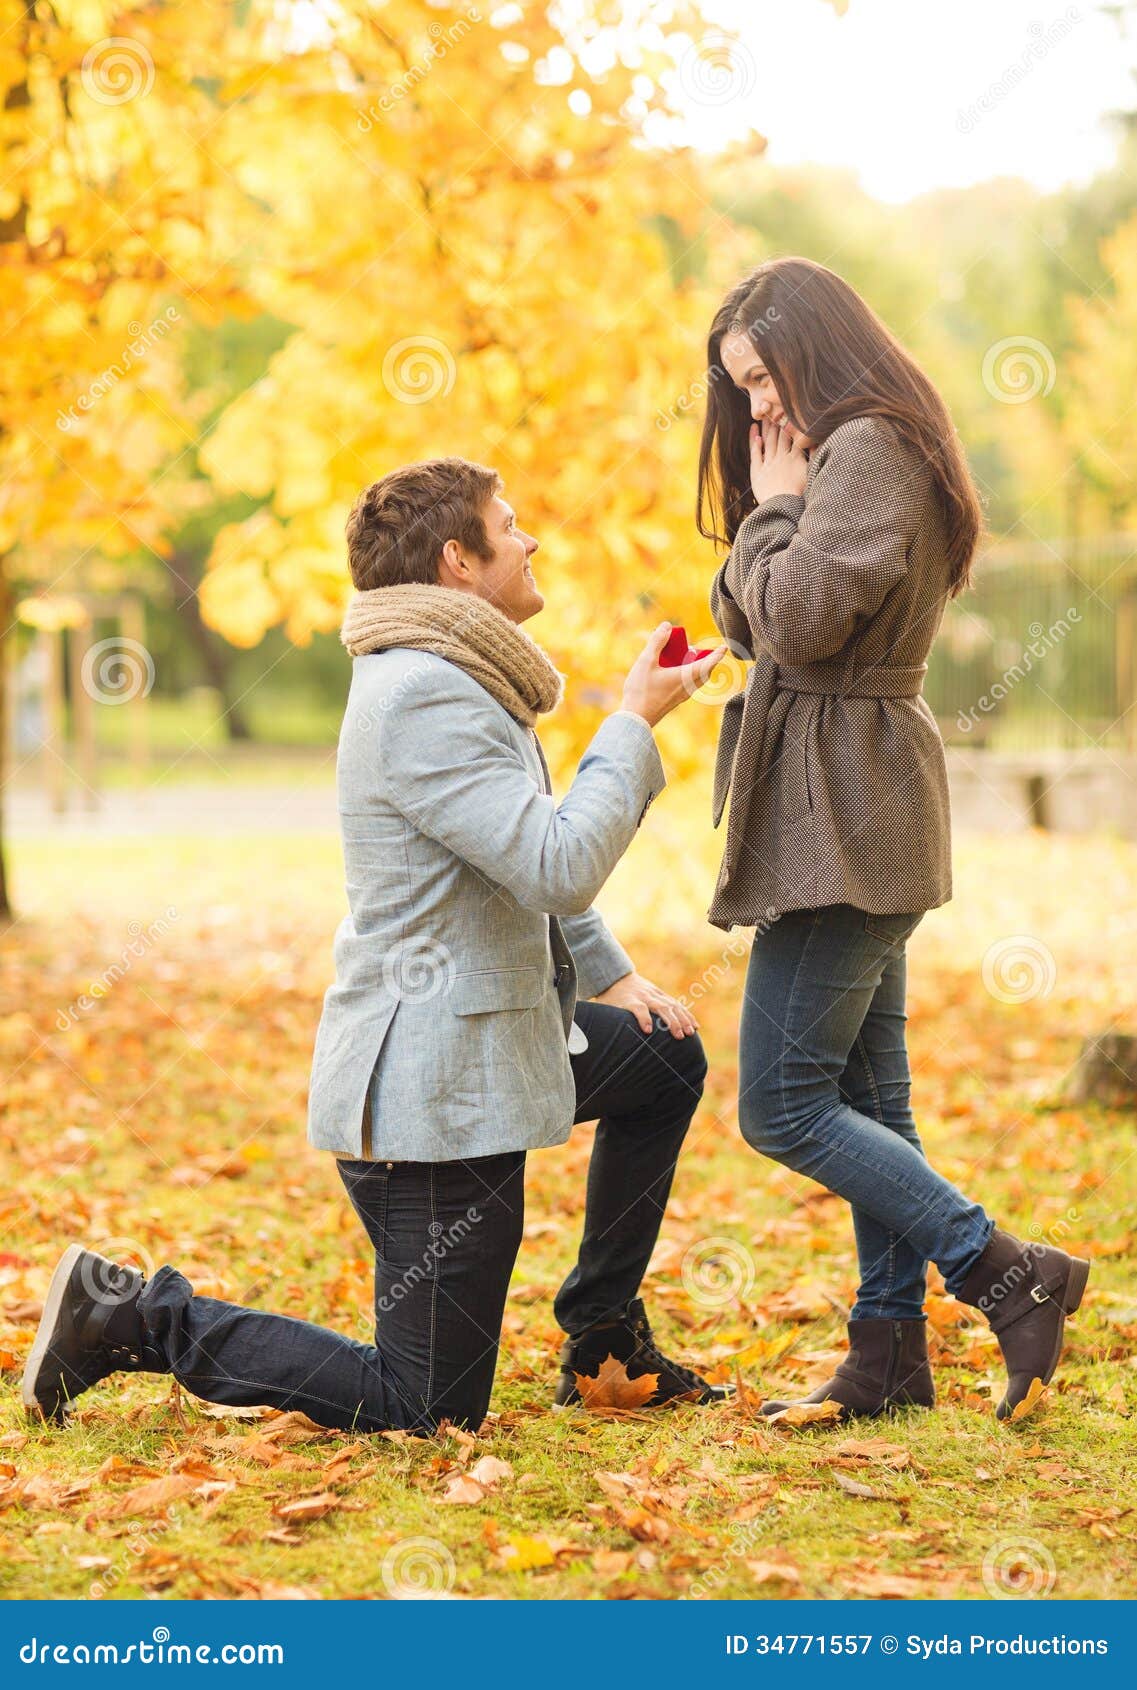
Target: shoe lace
point(650, 1351)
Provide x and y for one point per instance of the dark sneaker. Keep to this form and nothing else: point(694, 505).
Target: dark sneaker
point(629, 1339)
point(90, 1327)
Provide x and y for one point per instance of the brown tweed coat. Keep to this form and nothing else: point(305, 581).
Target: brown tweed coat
point(832, 758)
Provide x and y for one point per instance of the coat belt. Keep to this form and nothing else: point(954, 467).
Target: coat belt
point(882, 680)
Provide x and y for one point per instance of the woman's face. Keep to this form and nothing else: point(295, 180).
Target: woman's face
point(744, 365)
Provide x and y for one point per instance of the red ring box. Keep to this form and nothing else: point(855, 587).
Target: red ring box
point(677, 652)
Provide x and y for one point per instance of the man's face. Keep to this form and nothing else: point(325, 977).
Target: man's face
point(506, 579)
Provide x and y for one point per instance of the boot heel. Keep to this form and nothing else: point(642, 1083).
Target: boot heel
point(1074, 1291)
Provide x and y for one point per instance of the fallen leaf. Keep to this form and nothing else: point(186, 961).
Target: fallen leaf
point(772, 1572)
point(612, 1389)
point(489, 1471)
point(611, 1562)
point(305, 1508)
point(854, 1488)
point(1029, 1403)
point(150, 1498)
point(521, 1554)
point(874, 1449)
point(827, 1413)
point(463, 1489)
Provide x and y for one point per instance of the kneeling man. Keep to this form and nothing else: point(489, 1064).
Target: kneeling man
point(480, 1008)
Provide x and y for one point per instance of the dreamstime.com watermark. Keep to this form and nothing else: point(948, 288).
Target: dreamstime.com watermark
point(716, 972)
point(1019, 969)
point(442, 39)
point(115, 70)
point(702, 385)
point(717, 69)
point(142, 339)
point(157, 1651)
point(419, 368)
point(418, 1567)
point(1018, 368)
point(443, 1240)
point(142, 938)
point(1045, 38)
point(117, 670)
point(1042, 641)
point(139, 1541)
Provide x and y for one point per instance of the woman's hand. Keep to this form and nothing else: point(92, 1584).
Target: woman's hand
point(643, 999)
point(778, 461)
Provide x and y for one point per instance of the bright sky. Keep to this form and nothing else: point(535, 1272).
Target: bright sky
point(893, 88)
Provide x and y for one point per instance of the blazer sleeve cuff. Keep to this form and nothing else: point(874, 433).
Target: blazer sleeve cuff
point(599, 957)
point(627, 737)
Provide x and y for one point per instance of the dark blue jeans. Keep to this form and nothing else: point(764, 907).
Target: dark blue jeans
point(824, 1089)
point(446, 1236)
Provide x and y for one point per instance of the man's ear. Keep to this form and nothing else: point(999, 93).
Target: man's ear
point(453, 570)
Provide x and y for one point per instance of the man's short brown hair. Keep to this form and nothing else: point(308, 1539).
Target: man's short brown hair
point(399, 525)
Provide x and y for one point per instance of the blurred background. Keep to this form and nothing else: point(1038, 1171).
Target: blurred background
point(258, 254)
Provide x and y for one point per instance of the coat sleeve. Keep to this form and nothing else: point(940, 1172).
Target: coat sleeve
point(809, 572)
point(447, 763)
point(599, 957)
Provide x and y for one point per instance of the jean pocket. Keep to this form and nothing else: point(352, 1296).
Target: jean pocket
point(893, 930)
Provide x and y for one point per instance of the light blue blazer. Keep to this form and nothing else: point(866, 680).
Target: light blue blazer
point(471, 932)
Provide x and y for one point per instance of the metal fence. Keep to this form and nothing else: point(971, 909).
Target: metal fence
point(1042, 653)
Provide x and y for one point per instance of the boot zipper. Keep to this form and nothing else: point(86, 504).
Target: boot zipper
point(893, 1362)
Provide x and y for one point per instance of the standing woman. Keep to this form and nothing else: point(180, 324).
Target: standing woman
point(831, 468)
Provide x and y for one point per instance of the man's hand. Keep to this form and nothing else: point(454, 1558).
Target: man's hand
point(652, 692)
point(642, 998)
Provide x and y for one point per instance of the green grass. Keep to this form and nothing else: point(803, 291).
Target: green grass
point(173, 1116)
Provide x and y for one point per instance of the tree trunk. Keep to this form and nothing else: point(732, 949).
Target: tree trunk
point(1106, 1072)
point(185, 577)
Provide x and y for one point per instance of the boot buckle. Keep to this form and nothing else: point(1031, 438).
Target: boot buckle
point(1040, 1294)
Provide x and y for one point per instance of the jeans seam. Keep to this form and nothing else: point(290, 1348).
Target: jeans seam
point(890, 1279)
point(301, 1390)
point(433, 1299)
point(789, 1016)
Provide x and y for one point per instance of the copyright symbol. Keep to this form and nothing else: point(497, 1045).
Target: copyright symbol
point(889, 1645)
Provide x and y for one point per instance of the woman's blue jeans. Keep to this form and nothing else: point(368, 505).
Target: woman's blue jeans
point(824, 1089)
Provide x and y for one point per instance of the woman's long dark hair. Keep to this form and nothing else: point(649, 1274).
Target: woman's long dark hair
point(831, 358)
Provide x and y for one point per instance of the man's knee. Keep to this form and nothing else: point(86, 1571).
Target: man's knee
point(689, 1061)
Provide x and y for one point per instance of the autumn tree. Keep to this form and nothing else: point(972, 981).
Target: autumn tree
point(476, 227)
point(117, 228)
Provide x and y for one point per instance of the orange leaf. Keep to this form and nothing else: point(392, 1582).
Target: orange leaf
point(308, 1507)
point(798, 1414)
point(611, 1387)
point(1030, 1402)
point(462, 1488)
point(490, 1470)
point(150, 1498)
point(769, 1572)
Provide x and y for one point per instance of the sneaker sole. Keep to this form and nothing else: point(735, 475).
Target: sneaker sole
point(45, 1332)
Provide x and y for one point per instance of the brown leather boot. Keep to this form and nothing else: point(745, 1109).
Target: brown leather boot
point(1025, 1291)
point(886, 1368)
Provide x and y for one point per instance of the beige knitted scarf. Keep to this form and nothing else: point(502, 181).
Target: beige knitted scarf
point(467, 631)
